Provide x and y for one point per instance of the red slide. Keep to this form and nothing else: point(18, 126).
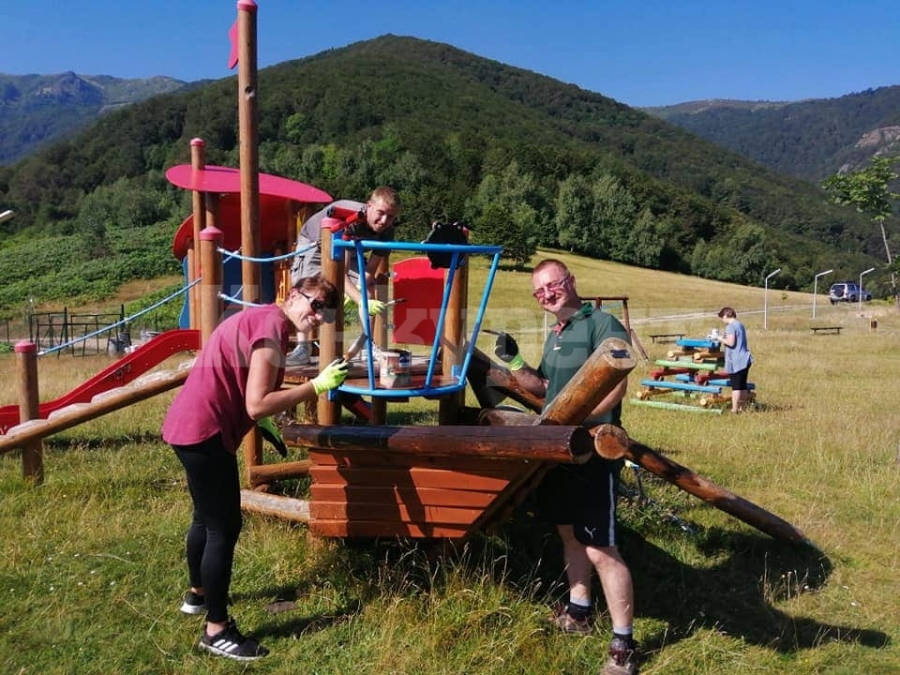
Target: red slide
point(128, 368)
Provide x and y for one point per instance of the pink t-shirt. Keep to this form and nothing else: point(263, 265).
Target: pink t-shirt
point(212, 399)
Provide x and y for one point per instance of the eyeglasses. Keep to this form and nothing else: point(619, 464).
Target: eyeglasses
point(317, 305)
point(552, 287)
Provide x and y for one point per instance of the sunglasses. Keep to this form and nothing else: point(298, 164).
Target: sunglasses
point(552, 287)
point(317, 305)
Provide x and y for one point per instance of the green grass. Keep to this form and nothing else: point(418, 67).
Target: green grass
point(92, 569)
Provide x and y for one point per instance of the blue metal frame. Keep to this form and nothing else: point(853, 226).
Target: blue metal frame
point(457, 250)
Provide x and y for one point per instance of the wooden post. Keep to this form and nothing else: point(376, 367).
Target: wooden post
point(612, 442)
point(249, 149)
point(451, 353)
point(331, 335)
point(598, 376)
point(380, 331)
point(29, 409)
point(211, 239)
point(198, 210)
point(492, 383)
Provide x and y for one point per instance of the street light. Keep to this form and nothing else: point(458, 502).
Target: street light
point(859, 304)
point(816, 288)
point(766, 300)
point(6, 215)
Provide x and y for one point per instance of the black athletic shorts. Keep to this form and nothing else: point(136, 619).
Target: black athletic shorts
point(584, 496)
point(739, 379)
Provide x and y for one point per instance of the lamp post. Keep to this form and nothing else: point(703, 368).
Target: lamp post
point(859, 304)
point(766, 300)
point(816, 288)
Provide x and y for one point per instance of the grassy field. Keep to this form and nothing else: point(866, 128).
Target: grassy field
point(92, 569)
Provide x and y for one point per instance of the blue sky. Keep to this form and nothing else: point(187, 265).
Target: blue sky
point(651, 52)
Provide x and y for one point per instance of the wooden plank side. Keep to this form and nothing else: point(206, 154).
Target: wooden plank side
point(401, 495)
point(352, 459)
point(342, 528)
point(409, 478)
point(420, 514)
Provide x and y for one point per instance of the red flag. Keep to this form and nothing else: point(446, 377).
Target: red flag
point(233, 39)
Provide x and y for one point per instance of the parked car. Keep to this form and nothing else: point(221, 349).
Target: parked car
point(847, 291)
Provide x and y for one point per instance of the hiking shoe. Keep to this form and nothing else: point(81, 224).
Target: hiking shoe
point(232, 645)
point(193, 603)
point(562, 620)
point(622, 658)
point(300, 356)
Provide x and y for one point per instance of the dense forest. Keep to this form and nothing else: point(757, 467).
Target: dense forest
point(807, 139)
point(523, 159)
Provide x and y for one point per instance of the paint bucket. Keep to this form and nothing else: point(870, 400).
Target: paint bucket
point(395, 369)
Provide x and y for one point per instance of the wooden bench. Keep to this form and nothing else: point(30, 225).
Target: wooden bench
point(667, 337)
point(833, 329)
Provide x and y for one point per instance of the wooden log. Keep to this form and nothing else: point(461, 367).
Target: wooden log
point(266, 473)
point(553, 443)
point(606, 442)
point(112, 400)
point(598, 376)
point(296, 510)
point(491, 383)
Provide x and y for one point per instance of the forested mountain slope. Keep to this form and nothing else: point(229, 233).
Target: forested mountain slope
point(810, 139)
point(522, 158)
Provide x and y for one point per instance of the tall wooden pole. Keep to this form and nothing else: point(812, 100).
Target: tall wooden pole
point(331, 335)
point(198, 210)
point(248, 115)
point(211, 239)
point(451, 355)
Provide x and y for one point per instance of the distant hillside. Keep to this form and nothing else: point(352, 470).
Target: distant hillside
point(809, 139)
point(35, 109)
point(525, 160)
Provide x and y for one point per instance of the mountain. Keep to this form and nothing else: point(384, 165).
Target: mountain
point(36, 109)
point(809, 139)
point(525, 160)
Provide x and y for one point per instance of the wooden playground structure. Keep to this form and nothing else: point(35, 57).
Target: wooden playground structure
point(371, 480)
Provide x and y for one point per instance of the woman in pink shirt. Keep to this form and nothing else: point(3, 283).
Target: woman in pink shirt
point(236, 381)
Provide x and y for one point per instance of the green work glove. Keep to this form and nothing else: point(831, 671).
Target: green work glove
point(507, 350)
point(376, 307)
point(349, 305)
point(333, 376)
point(271, 434)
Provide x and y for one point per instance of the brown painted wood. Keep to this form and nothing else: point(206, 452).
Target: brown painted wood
point(266, 473)
point(491, 383)
point(601, 373)
point(296, 510)
point(412, 513)
point(401, 495)
point(414, 477)
point(546, 443)
point(697, 485)
point(378, 529)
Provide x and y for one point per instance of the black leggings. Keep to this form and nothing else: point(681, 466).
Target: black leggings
point(212, 478)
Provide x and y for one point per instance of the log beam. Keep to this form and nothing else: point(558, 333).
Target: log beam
point(613, 442)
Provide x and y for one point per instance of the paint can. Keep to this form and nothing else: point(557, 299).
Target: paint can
point(395, 366)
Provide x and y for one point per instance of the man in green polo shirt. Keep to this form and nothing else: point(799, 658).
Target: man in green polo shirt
point(580, 499)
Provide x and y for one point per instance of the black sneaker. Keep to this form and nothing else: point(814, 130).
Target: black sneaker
point(193, 603)
point(623, 658)
point(232, 645)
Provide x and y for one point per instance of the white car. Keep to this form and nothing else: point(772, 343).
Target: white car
point(847, 291)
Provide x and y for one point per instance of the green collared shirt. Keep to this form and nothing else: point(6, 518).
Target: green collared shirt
point(570, 344)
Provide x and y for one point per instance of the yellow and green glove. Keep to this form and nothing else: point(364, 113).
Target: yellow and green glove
point(332, 377)
point(507, 350)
